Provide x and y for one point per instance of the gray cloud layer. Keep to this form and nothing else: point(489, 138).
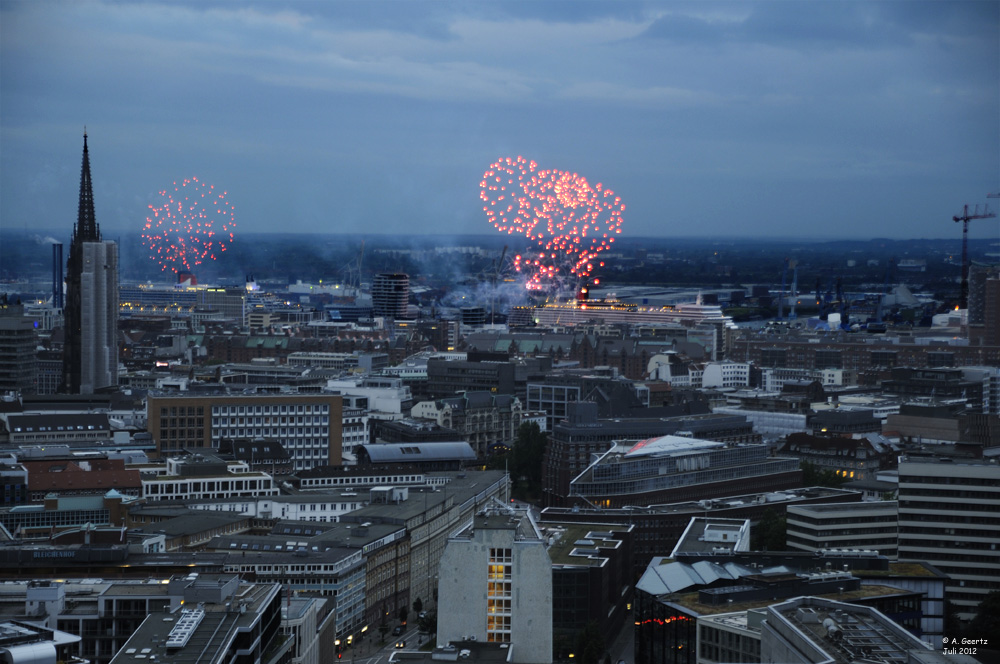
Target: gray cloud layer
point(805, 119)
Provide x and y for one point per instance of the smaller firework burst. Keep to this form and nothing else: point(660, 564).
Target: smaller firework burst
point(192, 224)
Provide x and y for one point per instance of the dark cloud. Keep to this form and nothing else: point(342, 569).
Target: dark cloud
point(706, 117)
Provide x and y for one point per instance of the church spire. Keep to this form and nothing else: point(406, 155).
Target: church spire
point(87, 229)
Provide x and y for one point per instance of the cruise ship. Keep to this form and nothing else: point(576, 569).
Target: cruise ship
point(615, 311)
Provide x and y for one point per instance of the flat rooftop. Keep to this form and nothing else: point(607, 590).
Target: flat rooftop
point(710, 535)
point(690, 600)
point(580, 544)
point(191, 638)
point(867, 506)
point(902, 570)
point(860, 634)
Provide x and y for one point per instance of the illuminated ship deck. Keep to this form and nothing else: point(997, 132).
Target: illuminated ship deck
point(613, 311)
point(147, 298)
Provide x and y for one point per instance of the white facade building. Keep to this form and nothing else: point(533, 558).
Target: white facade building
point(236, 480)
point(725, 375)
point(496, 586)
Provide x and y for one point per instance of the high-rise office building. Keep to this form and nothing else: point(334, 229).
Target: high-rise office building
point(390, 295)
point(949, 516)
point(90, 354)
point(17, 348)
point(307, 425)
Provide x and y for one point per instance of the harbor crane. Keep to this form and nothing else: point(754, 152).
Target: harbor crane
point(965, 218)
point(794, 264)
point(494, 278)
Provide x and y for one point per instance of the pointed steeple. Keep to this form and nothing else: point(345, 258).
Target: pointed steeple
point(86, 229)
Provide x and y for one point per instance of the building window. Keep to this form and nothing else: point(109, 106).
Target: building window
point(499, 593)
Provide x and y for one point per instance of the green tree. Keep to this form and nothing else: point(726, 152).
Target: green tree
point(813, 476)
point(418, 606)
point(428, 623)
point(986, 624)
point(528, 453)
point(590, 645)
point(952, 624)
point(769, 533)
point(524, 462)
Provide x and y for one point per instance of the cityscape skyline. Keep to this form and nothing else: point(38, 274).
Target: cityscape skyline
point(769, 120)
point(359, 450)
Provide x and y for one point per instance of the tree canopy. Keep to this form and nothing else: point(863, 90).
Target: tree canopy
point(524, 462)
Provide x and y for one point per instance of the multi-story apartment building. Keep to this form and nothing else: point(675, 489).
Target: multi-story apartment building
point(773, 379)
point(496, 586)
point(939, 383)
point(865, 525)
point(18, 340)
point(362, 588)
point(308, 426)
point(323, 507)
point(613, 396)
point(949, 516)
point(490, 372)
point(56, 428)
point(227, 303)
point(200, 478)
point(859, 354)
point(726, 375)
point(390, 295)
point(431, 517)
point(354, 429)
point(853, 458)
point(388, 398)
point(483, 419)
point(448, 377)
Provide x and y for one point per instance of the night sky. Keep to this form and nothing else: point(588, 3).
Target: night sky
point(757, 119)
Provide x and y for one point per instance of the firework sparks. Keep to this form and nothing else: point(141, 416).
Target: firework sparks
point(570, 221)
point(192, 224)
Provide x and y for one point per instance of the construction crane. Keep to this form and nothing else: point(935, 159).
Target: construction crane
point(965, 218)
point(844, 306)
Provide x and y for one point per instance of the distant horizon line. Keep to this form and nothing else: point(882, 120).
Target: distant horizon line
point(496, 239)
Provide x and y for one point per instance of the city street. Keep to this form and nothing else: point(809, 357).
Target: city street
point(368, 651)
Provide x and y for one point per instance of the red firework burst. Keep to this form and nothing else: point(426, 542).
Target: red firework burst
point(570, 221)
point(191, 225)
